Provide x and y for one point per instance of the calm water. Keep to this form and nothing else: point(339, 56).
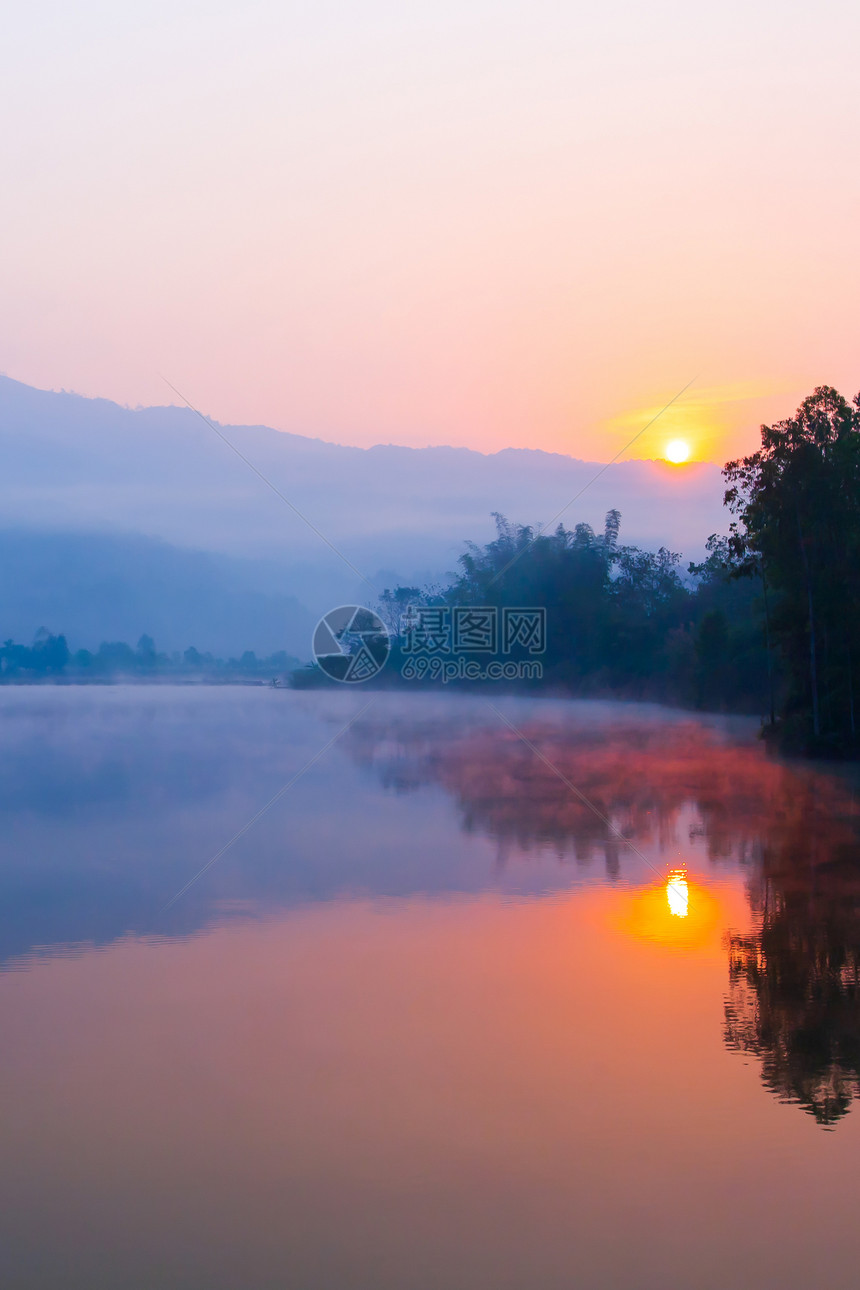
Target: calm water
point(458, 1011)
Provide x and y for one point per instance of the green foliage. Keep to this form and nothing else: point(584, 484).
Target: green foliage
point(770, 620)
point(797, 503)
point(621, 620)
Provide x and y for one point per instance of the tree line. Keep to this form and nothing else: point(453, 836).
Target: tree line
point(620, 621)
point(49, 658)
point(768, 623)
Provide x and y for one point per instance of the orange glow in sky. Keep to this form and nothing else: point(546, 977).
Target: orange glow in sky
point(528, 225)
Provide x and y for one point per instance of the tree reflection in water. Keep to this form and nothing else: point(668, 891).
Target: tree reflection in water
point(794, 993)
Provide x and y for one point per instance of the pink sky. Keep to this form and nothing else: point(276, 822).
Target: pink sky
point(468, 223)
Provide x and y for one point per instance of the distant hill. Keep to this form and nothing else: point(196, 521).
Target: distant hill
point(88, 467)
point(96, 587)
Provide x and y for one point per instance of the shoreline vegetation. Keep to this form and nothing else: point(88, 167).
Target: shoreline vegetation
point(50, 661)
point(767, 625)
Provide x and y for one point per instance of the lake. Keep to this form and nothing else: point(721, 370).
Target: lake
point(337, 991)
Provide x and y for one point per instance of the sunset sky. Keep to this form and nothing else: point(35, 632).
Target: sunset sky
point(483, 224)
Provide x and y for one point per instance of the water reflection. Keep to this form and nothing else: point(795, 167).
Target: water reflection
point(111, 800)
point(794, 992)
point(641, 780)
point(794, 998)
point(678, 893)
point(680, 914)
point(401, 1035)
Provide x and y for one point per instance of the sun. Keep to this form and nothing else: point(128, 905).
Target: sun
point(677, 450)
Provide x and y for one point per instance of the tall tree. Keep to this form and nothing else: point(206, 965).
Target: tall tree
point(797, 503)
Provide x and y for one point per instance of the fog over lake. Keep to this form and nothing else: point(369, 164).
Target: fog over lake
point(450, 1011)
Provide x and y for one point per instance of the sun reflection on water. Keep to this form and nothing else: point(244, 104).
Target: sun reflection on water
point(678, 893)
point(679, 912)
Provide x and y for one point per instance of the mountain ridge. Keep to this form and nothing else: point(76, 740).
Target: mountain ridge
point(75, 465)
point(251, 427)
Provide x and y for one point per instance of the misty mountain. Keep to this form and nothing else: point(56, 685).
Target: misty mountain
point(110, 477)
point(96, 587)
